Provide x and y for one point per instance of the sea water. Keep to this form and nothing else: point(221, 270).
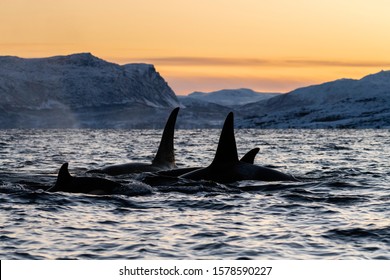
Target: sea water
point(340, 208)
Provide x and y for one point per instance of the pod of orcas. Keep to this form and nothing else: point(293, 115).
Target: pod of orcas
point(225, 168)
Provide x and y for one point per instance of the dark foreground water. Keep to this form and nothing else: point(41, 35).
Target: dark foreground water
point(340, 210)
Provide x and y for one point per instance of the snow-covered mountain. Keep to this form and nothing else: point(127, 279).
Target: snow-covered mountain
point(80, 90)
point(197, 113)
point(232, 97)
point(344, 103)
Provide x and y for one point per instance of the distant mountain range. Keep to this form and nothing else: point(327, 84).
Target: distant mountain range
point(81, 90)
point(232, 97)
point(344, 103)
point(210, 109)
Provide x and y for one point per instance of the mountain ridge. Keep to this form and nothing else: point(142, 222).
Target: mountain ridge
point(33, 91)
point(231, 97)
point(343, 103)
point(81, 90)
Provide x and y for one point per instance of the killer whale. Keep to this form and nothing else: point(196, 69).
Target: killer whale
point(90, 185)
point(249, 157)
point(226, 168)
point(163, 160)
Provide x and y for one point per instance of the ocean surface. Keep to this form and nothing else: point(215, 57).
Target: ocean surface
point(339, 210)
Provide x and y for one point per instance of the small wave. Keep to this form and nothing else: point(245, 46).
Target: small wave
point(122, 203)
point(9, 188)
point(208, 234)
point(211, 246)
point(324, 198)
point(253, 186)
point(352, 234)
point(207, 187)
point(209, 204)
point(334, 147)
point(185, 226)
point(341, 184)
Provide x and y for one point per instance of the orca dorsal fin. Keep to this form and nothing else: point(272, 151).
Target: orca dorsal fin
point(165, 153)
point(249, 157)
point(63, 178)
point(227, 149)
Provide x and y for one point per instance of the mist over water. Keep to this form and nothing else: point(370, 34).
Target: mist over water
point(339, 210)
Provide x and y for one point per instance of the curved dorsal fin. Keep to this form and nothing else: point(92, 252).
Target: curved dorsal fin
point(165, 153)
point(249, 157)
point(63, 176)
point(227, 149)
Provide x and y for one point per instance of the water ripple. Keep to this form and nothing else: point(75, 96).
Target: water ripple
point(338, 210)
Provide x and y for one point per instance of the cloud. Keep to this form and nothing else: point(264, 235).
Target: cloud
point(207, 61)
point(336, 63)
point(187, 74)
point(256, 62)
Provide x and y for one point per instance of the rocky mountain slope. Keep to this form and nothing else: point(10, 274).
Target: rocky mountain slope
point(80, 90)
point(344, 103)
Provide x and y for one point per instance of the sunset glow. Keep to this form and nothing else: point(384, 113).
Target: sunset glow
point(209, 45)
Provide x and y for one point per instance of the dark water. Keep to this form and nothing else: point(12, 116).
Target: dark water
point(340, 210)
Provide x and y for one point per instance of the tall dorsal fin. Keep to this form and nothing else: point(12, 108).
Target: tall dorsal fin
point(249, 157)
point(227, 149)
point(166, 153)
point(63, 177)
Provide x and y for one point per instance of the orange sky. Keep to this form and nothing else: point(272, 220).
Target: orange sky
point(207, 45)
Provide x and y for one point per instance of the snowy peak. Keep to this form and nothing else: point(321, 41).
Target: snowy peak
point(380, 78)
point(78, 82)
point(346, 89)
point(341, 103)
point(79, 59)
point(232, 97)
point(142, 68)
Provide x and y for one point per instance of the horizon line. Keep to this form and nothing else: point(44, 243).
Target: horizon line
point(254, 62)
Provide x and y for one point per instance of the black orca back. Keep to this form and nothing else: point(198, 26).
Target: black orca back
point(226, 168)
point(94, 185)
